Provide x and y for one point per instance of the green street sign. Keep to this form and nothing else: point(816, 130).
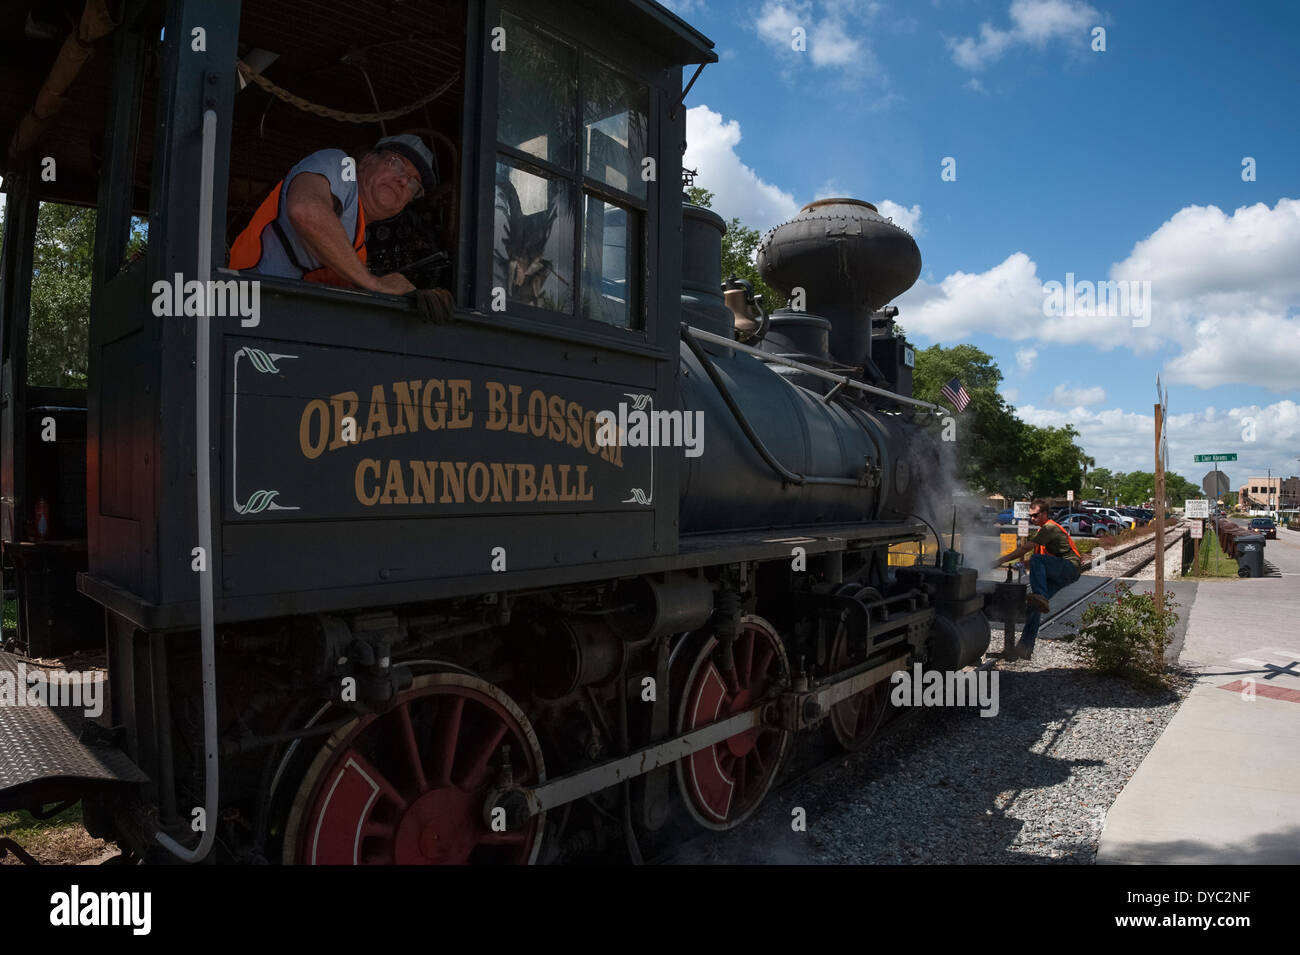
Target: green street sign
point(1216, 457)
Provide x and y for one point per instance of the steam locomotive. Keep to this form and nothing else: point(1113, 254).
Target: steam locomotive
point(569, 572)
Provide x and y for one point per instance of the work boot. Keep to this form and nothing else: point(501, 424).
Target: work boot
point(1024, 652)
point(1038, 602)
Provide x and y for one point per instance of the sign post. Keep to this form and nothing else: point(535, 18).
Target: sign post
point(1196, 511)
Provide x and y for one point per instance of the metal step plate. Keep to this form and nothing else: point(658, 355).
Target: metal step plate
point(40, 744)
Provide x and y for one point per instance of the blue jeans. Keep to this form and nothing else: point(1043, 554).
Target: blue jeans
point(1047, 575)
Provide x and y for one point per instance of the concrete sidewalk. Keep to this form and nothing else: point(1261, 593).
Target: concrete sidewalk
point(1222, 784)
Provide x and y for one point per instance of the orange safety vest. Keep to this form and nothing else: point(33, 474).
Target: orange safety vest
point(1043, 550)
point(246, 253)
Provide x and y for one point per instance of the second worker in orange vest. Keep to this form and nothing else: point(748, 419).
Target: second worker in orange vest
point(313, 224)
point(1055, 563)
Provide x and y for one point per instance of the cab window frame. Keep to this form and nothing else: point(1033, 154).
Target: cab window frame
point(614, 55)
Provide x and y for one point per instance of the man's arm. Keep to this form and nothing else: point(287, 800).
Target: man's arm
point(310, 208)
point(1020, 551)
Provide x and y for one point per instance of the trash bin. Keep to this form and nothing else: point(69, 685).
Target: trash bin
point(1250, 555)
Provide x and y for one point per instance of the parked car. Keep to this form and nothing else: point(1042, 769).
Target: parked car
point(1078, 524)
point(1007, 517)
point(1265, 526)
point(1115, 516)
point(1141, 517)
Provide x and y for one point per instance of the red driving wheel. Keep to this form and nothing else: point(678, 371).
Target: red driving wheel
point(852, 722)
point(408, 786)
point(723, 784)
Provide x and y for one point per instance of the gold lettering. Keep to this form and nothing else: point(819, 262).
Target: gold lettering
point(407, 397)
point(460, 418)
point(584, 493)
point(394, 486)
point(556, 410)
point(575, 424)
point(589, 432)
point(496, 406)
point(537, 413)
point(546, 493)
point(478, 482)
point(434, 422)
point(422, 482)
point(377, 415)
point(518, 423)
point(366, 464)
point(453, 482)
point(344, 405)
point(527, 484)
point(565, 493)
point(312, 449)
point(503, 477)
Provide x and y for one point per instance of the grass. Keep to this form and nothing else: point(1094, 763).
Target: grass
point(1225, 566)
point(20, 824)
point(59, 840)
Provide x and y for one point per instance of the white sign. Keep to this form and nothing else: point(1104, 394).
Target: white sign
point(1196, 509)
point(1069, 495)
point(1022, 528)
point(1020, 510)
point(1198, 530)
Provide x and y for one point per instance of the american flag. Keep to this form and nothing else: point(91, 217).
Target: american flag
point(955, 392)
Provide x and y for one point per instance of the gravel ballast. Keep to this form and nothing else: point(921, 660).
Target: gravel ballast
point(1029, 785)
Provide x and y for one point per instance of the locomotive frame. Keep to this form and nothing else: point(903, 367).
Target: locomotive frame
point(577, 650)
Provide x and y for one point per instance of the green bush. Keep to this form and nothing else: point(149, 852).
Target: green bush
point(1127, 636)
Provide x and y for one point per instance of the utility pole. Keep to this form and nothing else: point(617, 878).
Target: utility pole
point(1160, 510)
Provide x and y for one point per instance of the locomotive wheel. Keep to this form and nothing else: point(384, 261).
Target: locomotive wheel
point(854, 721)
point(408, 786)
point(724, 784)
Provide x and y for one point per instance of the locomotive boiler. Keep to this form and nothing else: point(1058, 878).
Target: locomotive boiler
point(570, 574)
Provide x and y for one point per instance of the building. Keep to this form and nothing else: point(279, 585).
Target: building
point(1269, 493)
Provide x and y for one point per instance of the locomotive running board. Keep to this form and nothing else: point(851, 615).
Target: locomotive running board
point(790, 706)
point(42, 757)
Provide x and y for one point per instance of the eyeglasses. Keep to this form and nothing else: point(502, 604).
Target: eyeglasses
point(398, 165)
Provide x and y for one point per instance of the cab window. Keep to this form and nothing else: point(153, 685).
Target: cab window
point(571, 190)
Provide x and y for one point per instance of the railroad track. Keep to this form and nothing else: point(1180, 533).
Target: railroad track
point(813, 756)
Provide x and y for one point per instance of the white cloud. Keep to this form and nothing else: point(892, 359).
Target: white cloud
point(1124, 441)
point(1224, 293)
point(737, 189)
point(1034, 23)
point(833, 33)
point(1025, 358)
point(1010, 394)
point(909, 219)
point(1078, 397)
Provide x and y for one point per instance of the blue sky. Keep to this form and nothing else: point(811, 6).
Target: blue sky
point(1124, 164)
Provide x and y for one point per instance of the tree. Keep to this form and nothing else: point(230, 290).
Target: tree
point(1099, 481)
point(739, 247)
point(1052, 463)
point(58, 329)
point(988, 433)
